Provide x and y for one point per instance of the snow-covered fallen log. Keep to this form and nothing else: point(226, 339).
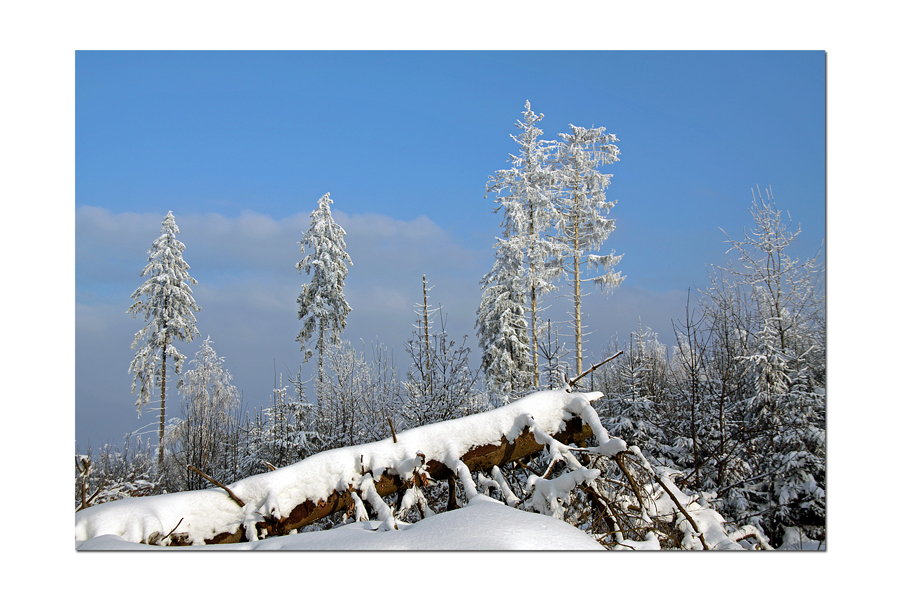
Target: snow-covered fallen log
point(467, 451)
point(278, 502)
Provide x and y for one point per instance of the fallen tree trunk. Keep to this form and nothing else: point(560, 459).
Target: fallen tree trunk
point(278, 502)
point(480, 458)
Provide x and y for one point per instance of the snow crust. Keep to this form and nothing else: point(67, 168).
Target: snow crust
point(204, 513)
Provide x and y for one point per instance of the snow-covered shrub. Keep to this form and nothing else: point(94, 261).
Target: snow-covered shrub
point(115, 473)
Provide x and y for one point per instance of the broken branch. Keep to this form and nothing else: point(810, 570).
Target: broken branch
point(213, 481)
point(595, 367)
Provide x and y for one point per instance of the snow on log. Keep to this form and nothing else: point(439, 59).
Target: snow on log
point(277, 502)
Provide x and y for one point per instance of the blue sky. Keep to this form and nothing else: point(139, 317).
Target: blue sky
point(240, 145)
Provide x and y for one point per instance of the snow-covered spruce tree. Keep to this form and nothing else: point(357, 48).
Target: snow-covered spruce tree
point(580, 197)
point(526, 256)
point(502, 325)
point(209, 417)
point(293, 423)
point(554, 354)
point(166, 302)
point(322, 307)
point(633, 412)
point(783, 363)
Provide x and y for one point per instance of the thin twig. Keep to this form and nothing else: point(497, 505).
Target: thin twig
point(213, 481)
point(528, 467)
point(674, 499)
point(393, 433)
point(171, 532)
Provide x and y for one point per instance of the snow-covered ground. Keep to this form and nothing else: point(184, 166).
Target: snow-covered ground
point(483, 524)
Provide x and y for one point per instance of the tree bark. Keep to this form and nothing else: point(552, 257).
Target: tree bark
point(162, 409)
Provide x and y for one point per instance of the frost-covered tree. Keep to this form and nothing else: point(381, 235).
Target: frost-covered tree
point(785, 368)
point(580, 197)
point(359, 400)
point(323, 310)
point(115, 473)
point(439, 385)
point(502, 324)
point(209, 419)
point(282, 433)
point(166, 302)
point(384, 400)
point(633, 411)
point(554, 354)
point(342, 396)
point(526, 256)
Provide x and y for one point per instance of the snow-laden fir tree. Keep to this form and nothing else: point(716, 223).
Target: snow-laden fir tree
point(166, 302)
point(632, 412)
point(523, 195)
point(502, 324)
point(580, 197)
point(784, 364)
point(209, 421)
point(323, 310)
point(554, 354)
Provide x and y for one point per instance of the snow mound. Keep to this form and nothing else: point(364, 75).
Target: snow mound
point(483, 524)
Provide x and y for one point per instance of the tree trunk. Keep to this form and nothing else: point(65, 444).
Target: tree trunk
point(427, 349)
point(577, 267)
point(534, 343)
point(162, 409)
point(536, 378)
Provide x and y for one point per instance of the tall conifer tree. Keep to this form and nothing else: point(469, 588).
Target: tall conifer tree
point(580, 194)
point(166, 301)
point(524, 198)
point(323, 310)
